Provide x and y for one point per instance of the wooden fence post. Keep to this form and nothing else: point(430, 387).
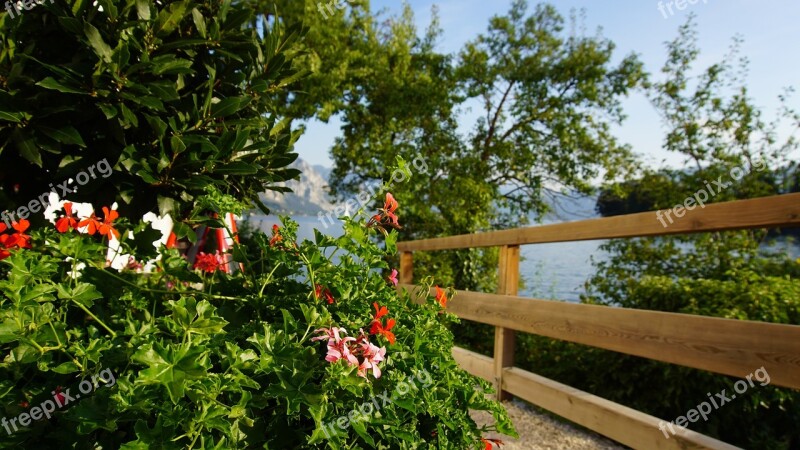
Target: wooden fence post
point(406, 268)
point(504, 340)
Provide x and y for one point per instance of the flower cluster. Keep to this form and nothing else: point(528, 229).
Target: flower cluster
point(208, 262)
point(276, 236)
point(359, 352)
point(18, 239)
point(320, 292)
point(378, 327)
point(387, 217)
point(89, 224)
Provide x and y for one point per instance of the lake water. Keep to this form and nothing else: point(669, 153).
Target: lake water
point(550, 271)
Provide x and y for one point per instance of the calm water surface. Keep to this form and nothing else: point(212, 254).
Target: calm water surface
point(550, 271)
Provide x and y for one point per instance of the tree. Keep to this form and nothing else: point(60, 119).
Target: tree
point(548, 98)
point(712, 122)
point(176, 98)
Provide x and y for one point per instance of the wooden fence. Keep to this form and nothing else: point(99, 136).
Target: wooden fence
point(725, 346)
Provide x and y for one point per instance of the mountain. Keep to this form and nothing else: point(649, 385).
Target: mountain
point(309, 196)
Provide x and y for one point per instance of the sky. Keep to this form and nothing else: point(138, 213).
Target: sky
point(769, 29)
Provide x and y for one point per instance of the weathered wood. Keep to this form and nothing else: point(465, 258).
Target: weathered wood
point(475, 363)
point(625, 425)
point(726, 346)
point(406, 267)
point(504, 339)
point(775, 211)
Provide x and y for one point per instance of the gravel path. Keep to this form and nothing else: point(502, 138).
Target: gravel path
point(541, 432)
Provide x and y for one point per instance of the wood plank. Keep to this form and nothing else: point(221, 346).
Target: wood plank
point(504, 339)
point(766, 212)
point(474, 363)
point(726, 346)
point(406, 267)
point(625, 425)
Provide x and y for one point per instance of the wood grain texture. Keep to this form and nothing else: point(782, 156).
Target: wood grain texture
point(625, 425)
point(726, 346)
point(766, 212)
point(474, 363)
point(406, 267)
point(504, 339)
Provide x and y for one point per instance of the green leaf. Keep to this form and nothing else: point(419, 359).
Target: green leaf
point(52, 83)
point(199, 22)
point(129, 118)
point(101, 49)
point(66, 367)
point(143, 9)
point(65, 135)
point(237, 168)
point(169, 18)
point(228, 106)
point(27, 147)
point(9, 331)
point(108, 110)
point(83, 293)
point(10, 116)
point(171, 366)
point(182, 230)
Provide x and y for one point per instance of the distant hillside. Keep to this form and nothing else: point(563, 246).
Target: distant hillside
point(309, 194)
point(310, 197)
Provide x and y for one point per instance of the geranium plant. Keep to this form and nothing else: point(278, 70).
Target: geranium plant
point(273, 356)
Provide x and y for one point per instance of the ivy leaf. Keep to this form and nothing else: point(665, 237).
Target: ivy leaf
point(9, 331)
point(172, 366)
point(83, 293)
point(197, 318)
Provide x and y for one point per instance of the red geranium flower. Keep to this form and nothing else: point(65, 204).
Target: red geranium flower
point(320, 292)
point(65, 223)
point(276, 235)
point(441, 297)
point(207, 262)
point(390, 205)
point(387, 216)
point(91, 223)
point(18, 239)
point(378, 327)
point(106, 228)
point(491, 442)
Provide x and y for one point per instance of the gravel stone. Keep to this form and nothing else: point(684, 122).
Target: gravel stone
point(538, 431)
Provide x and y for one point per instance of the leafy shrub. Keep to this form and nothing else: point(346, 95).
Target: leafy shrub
point(203, 359)
point(175, 95)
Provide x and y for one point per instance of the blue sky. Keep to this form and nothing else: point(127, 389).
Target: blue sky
point(769, 28)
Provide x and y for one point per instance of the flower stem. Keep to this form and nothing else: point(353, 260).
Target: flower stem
point(97, 319)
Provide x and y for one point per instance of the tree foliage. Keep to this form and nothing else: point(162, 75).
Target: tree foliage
point(547, 100)
point(712, 122)
point(176, 97)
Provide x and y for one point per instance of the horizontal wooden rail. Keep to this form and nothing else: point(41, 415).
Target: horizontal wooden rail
point(625, 425)
point(766, 212)
point(726, 346)
point(475, 363)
